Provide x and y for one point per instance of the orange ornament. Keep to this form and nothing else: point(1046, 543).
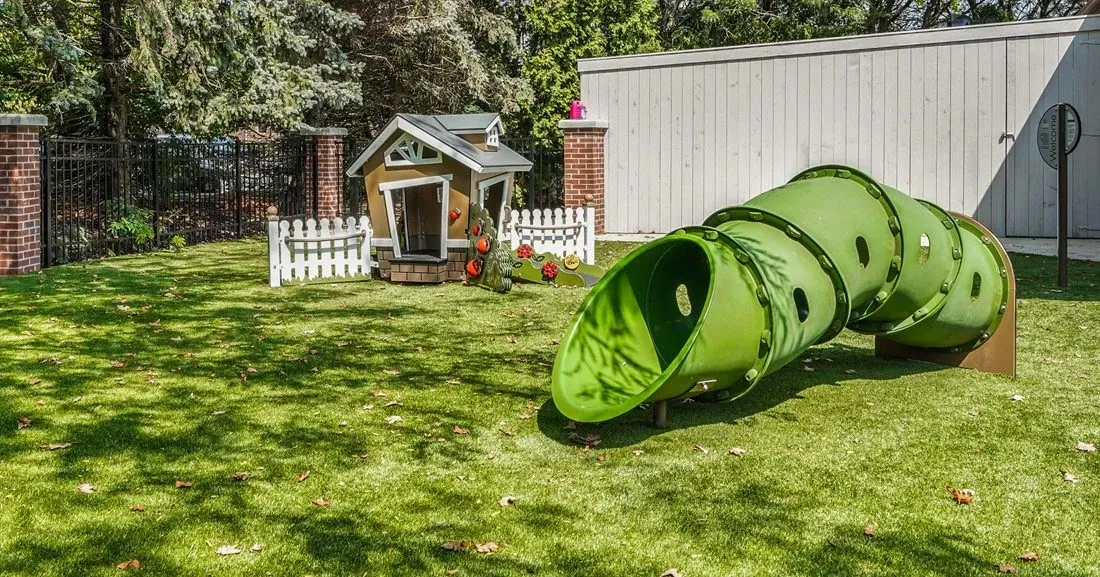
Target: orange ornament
point(473, 268)
point(483, 245)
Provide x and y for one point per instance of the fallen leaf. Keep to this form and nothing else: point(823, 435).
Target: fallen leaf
point(137, 508)
point(454, 382)
point(1069, 477)
point(241, 476)
point(256, 547)
point(569, 426)
point(524, 416)
point(22, 423)
point(507, 501)
point(869, 531)
point(601, 458)
point(184, 484)
point(1016, 398)
point(303, 476)
point(589, 440)
point(808, 368)
point(118, 364)
point(393, 404)
point(322, 502)
point(961, 496)
point(638, 452)
point(737, 451)
point(1083, 447)
point(33, 382)
point(86, 488)
point(460, 431)
point(392, 419)
point(56, 446)
point(1005, 568)
point(1029, 556)
point(701, 449)
point(673, 572)
point(217, 413)
point(391, 372)
point(227, 550)
point(341, 343)
point(850, 371)
point(487, 548)
point(131, 564)
point(457, 545)
point(506, 432)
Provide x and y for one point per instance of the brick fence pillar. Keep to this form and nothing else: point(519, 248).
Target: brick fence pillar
point(20, 193)
point(584, 163)
point(328, 150)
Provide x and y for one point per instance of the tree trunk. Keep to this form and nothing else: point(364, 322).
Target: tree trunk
point(113, 121)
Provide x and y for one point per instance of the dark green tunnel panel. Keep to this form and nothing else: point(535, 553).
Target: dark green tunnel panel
point(972, 308)
point(798, 321)
point(930, 259)
point(764, 281)
point(631, 341)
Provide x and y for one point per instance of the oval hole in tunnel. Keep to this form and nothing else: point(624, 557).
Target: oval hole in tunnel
point(801, 304)
point(682, 300)
point(862, 252)
point(976, 286)
point(925, 248)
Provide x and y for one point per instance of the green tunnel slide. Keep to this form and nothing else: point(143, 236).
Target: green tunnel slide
point(710, 310)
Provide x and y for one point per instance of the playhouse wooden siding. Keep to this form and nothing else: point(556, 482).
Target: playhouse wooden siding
point(376, 172)
point(925, 112)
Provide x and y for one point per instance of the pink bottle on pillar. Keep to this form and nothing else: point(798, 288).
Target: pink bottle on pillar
point(577, 110)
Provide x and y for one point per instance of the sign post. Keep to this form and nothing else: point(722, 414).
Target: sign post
point(1059, 133)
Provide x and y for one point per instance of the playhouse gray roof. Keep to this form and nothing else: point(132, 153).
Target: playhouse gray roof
point(438, 131)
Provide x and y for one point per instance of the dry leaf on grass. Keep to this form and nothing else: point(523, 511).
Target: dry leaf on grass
point(1069, 477)
point(701, 449)
point(638, 452)
point(256, 547)
point(1016, 398)
point(137, 508)
point(227, 550)
point(322, 502)
point(486, 548)
point(672, 572)
point(56, 446)
point(86, 488)
point(457, 545)
point(460, 431)
point(241, 476)
point(393, 419)
point(850, 372)
point(391, 372)
point(184, 484)
point(1029, 556)
point(588, 440)
point(34, 382)
point(737, 451)
point(1086, 447)
point(961, 496)
point(507, 501)
point(22, 423)
point(1005, 568)
point(131, 564)
point(869, 531)
point(303, 476)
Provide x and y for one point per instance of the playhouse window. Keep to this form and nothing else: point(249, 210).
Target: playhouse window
point(408, 151)
point(492, 138)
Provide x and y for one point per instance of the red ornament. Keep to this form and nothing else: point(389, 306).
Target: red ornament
point(476, 230)
point(550, 270)
point(525, 251)
point(483, 244)
point(454, 214)
point(473, 268)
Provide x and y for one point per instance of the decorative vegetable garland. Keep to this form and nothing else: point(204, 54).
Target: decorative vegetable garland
point(550, 270)
point(525, 251)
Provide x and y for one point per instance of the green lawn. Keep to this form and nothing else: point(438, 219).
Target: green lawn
point(187, 367)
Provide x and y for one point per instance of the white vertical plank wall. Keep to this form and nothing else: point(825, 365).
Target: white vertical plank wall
point(949, 115)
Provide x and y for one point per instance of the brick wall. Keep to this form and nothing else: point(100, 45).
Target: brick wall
point(584, 164)
point(329, 152)
point(20, 194)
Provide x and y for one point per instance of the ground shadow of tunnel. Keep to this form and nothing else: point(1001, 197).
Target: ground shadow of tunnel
point(789, 383)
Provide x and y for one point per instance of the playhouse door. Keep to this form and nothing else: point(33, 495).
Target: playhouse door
point(418, 224)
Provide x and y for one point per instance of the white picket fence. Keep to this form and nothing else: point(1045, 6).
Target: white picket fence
point(559, 231)
point(315, 250)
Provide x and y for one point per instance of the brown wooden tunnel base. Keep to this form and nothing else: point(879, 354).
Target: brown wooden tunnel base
point(422, 271)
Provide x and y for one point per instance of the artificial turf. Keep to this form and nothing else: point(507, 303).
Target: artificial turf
point(186, 367)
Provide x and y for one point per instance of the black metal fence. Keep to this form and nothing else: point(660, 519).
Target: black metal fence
point(544, 185)
point(102, 197)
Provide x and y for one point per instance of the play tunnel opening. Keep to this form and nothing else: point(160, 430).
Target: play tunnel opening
point(801, 304)
point(976, 287)
point(925, 249)
point(634, 328)
point(862, 252)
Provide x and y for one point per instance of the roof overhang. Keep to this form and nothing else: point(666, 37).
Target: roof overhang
point(398, 123)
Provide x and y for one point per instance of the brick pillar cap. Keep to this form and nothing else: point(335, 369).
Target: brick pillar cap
point(307, 130)
point(568, 124)
point(23, 120)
